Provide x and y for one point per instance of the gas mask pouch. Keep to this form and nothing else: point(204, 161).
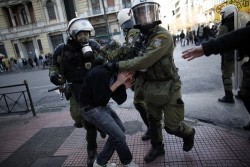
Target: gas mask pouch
point(87, 56)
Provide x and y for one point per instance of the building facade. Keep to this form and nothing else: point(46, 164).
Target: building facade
point(32, 27)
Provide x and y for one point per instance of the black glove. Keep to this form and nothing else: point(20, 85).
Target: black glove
point(67, 92)
point(56, 79)
point(112, 66)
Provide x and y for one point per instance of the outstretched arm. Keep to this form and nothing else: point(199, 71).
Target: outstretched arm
point(193, 53)
point(234, 40)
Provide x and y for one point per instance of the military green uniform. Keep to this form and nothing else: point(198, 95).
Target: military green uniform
point(162, 85)
point(124, 52)
point(139, 101)
point(227, 67)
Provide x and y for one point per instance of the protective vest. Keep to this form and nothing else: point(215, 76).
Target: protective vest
point(164, 69)
point(74, 66)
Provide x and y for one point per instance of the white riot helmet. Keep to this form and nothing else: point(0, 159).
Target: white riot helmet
point(77, 25)
point(145, 12)
point(228, 11)
point(124, 18)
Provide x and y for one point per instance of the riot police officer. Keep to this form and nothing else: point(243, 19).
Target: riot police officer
point(227, 58)
point(162, 85)
point(125, 21)
point(71, 62)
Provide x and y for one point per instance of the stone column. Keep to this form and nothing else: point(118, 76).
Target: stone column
point(56, 12)
point(27, 12)
point(46, 14)
point(12, 17)
point(59, 9)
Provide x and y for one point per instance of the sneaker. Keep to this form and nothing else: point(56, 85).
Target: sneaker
point(154, 153)
point(131, 164)
point(107, 165)
point(189, 142)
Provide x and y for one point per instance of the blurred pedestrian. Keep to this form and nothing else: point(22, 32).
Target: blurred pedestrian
point(182, 38)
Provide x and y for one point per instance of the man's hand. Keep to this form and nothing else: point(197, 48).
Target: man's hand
point(193, 53)
point(56, 79)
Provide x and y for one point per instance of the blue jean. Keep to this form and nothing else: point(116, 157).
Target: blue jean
point(108, 121)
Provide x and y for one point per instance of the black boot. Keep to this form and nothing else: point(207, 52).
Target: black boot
point(146, 135)
point(247, 127)
point(228, 98)
point(188, 141)
point(92, 154)
point(154, 153)
point(78, 125)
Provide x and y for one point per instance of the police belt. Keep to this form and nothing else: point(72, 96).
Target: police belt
point(86, 108)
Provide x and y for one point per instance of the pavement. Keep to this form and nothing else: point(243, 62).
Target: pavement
point(50, 140)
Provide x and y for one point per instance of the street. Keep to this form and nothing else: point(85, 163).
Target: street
point(201, 87)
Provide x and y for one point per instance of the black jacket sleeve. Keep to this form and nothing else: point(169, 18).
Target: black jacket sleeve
point(234, 40)
point(57, 52)
point(120, 95)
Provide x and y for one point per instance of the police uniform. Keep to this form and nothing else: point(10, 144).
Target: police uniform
point(227, 67)
point(139, 101)
point(69, 61)
point(162, 89)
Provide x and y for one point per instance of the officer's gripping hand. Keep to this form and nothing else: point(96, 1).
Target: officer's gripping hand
point(56, 79)
point(112, 66)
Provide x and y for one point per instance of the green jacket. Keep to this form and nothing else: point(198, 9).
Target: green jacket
point(157, 58)
point(123, 52)
point(223, 29)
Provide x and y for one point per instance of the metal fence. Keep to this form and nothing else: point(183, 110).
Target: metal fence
point(17, 101)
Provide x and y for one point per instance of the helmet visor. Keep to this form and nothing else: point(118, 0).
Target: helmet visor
point(146, 13)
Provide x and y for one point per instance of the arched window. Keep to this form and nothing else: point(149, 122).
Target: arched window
point(24, 16)
point(51, 10)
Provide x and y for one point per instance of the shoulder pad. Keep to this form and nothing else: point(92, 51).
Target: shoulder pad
point(58, 50)
point(94, 44)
